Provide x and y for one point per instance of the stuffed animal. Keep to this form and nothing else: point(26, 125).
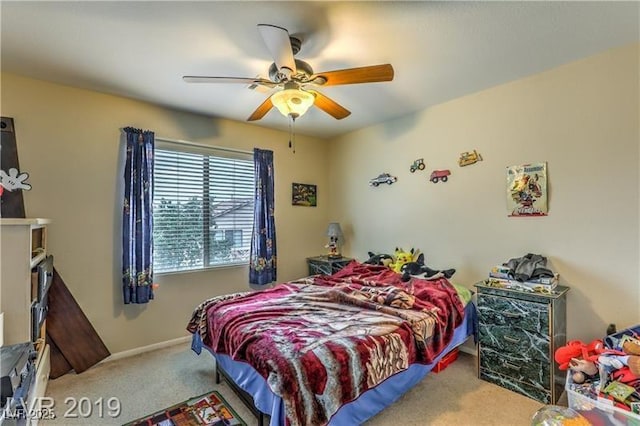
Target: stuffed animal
point(413, 268)
point(581, 369)
point(379, 259)
point(620, 367)
point(401, 257)
point(579, 358)
point(419, 268)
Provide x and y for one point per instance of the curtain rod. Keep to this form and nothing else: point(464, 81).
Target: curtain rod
point(202, 145)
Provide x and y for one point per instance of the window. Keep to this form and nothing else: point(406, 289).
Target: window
point(202, 207)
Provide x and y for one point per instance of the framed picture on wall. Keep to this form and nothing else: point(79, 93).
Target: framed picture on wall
point(527, 190)
point(303, 194)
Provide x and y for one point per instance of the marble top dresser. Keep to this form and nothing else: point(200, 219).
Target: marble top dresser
point(518, 334)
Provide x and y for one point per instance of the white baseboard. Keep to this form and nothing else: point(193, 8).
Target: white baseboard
point(155, 346)
point(148, 348)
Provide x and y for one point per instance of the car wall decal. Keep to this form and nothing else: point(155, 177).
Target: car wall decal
point(383, 178)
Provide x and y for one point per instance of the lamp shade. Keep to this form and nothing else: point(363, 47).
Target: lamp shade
point(292, 101)
point(334, 230)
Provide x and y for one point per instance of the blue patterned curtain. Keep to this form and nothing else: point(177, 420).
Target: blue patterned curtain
point(137, 218)
point(262, 267)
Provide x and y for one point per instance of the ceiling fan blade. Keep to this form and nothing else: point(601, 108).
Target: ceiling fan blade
point(205, 79)
point(279, 45)
point(329, 106)
point(370, 74)
point(260, 112)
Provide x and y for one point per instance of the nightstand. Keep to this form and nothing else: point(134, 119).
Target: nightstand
point(326, 265)
point(518, 334)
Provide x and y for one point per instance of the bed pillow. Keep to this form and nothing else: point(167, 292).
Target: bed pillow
point(464, 293)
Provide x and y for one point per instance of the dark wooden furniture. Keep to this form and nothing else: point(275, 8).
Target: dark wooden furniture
point(244, 396)
point(518, 334)
point(326, 265)
point(75, 344)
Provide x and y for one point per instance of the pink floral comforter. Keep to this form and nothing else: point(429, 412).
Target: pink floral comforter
point(322, 341)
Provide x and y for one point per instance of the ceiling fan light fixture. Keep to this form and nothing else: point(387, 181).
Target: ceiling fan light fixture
point(294, 102)
point(291, 75)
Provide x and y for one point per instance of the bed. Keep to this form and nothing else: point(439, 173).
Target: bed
point(331, 349)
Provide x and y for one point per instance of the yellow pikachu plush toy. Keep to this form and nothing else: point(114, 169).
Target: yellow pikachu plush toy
point(401, 257)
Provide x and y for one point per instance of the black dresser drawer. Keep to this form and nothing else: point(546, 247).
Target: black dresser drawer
point(533, 392)
point(517, 342)
point(325, 265)
point(498, 310)
point(534, 372)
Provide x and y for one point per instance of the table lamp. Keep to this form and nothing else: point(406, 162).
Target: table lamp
point(335, 240)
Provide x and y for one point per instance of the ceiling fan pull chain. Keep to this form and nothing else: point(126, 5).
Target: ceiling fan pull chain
point(292, 132)
point(293, 119)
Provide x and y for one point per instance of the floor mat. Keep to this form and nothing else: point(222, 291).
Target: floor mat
point(208, 409)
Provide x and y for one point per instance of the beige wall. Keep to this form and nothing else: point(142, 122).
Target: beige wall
point(581, 118)
point(69, 141)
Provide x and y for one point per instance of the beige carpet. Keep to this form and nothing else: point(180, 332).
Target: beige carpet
point(149, 382)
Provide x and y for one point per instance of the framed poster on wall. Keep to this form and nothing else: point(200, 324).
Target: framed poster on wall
point(527, 190)
point(303, 194)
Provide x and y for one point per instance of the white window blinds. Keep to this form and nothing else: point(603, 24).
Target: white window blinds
point(202, 207)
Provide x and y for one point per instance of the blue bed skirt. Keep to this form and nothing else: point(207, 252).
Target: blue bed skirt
point(358, 411)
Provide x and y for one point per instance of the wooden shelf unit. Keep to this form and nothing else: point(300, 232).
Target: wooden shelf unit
point(23, 246)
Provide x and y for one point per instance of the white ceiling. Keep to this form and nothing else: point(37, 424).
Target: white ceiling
point(439, 50)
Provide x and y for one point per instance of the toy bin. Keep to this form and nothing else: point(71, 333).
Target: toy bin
point(597, 410)
point(613, 341)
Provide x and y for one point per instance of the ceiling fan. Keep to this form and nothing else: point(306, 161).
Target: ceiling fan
point(296, 80)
